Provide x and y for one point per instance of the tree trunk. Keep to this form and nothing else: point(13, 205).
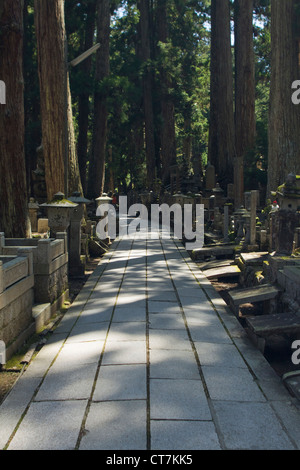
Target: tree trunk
point(284, 118)
point(144, 8)
point(168, 135)
point(221, 152)
point(13, 191)
point(61, 166)
point(245, 122)
point(84, 97)
point(97, 161)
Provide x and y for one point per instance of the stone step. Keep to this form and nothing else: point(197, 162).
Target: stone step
point(223, 271)
point(41, 314)
point(253, 294)
point(261, 293)
point(216, 250)
point(276, 324)
point(292, 382)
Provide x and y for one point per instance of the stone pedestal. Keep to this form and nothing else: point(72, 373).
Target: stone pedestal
point(284, 224)
point(33, 208)
point(76, 267)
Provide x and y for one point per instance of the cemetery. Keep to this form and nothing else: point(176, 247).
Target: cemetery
point(149, 226)
point(256, 249)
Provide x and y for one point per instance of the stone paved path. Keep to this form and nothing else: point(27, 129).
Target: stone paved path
point(149, 358)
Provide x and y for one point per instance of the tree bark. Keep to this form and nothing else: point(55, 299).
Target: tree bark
point(245, 122)
point(144, 7)
point(13, 190)
point(61, 165)
point(221, 152)
point(98, 158)
point(284, 117)
point(168, 135)
point(84, 97)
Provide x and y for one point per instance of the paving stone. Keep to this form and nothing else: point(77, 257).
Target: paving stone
point(124, 352)
point(226, 355)
point(106, 428)
point(225, 383)
point(184, 435)
point(166, 321)
point(45, 356)
point(156, 306)
point(178, 399)
point(250, 426)
point(15, 405)
point(173, 364)
point(127, 331)
point(65, 382)
point(80, 353)
point(88, 332)
point(50, 426)
point(127, 313)
point(95, 315)
point(164, 296)
point(212, 332)
point(121, 382)
point(169, 339)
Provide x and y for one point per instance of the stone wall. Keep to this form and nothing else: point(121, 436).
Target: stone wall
point(50, 264)
point(16, 300)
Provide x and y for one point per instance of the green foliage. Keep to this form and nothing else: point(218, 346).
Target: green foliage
point(184, 57)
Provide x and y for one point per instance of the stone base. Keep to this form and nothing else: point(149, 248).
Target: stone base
point(19, 341)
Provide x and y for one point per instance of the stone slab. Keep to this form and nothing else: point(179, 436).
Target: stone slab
point(166, 321)
point(178, 399)
point(185, 435)
point(173, 364)
point(233, 384)
point(258, 427)
point(224, 355)
point(267, 325)
point(58, 432)
point(121, 382)
point(88, 332)
point(212, 332)
point(156, 306)
point(222, 272)
point(169, 339)
point(68, 382)
point(253, 294)
point(127, 331)
point(124, 352)
point(106, 428)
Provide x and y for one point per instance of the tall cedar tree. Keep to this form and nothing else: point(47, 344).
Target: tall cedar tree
point(61, 165)
point(13, 191)
point(245, 122)
point(221, 152)
point(145, 52)
point(84, 96)
point(284, 118)
point(98, 158)
point(168, 135)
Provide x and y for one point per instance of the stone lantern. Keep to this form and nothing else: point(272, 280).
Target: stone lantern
point(59, 213)
point(239, 223)
point(104, 199)
point(219, 195)
point(76, 268)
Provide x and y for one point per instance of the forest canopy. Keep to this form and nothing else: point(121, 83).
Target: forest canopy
point(186, 83)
